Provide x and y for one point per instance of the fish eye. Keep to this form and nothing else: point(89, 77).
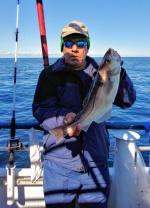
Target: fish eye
point(107, 61)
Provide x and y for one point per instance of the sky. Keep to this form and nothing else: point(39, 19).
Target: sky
point(120, 24)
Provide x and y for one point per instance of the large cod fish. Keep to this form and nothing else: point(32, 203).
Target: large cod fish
point(97, 105)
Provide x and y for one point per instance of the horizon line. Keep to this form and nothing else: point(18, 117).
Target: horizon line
point(60, 55)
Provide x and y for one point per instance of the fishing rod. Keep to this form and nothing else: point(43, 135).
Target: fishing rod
point(42, 29)
point(14, 142)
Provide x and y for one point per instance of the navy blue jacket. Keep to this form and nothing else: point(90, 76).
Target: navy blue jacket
point(61, 90)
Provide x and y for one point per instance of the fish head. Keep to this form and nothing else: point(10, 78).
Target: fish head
point(111, 62)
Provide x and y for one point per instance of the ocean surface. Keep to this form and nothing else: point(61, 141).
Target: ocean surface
point(28, 69)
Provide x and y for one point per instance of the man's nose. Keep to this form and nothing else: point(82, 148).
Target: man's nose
point(74, 47)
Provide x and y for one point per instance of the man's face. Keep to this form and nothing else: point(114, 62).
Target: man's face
point(75, 52)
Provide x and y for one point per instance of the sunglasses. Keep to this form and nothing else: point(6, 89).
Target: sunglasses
point(79, 43)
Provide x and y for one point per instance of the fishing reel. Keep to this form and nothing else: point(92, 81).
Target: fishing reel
point(14, 144)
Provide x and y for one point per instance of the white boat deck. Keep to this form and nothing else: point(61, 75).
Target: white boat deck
point(130, 181)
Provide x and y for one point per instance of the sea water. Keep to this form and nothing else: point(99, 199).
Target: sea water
point(28, 70)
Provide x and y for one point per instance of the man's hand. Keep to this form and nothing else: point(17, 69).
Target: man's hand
point(75, 130)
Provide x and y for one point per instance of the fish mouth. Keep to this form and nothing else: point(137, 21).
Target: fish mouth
point(110, 54)
point(108, 59)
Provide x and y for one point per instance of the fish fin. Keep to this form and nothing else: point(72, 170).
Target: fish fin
point(105, 117)
point(92, 89)
point(86, 100)
point(86, 128)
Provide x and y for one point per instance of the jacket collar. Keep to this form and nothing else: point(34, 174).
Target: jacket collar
point(60, 65)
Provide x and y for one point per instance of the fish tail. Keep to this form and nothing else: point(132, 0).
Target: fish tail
point(59, 134)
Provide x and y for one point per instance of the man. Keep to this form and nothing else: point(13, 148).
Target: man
point(75, 169)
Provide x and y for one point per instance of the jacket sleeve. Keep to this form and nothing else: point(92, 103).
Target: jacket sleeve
point(46, 108)
point(126, 94)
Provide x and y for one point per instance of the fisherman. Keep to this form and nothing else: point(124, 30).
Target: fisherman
point(76, 169)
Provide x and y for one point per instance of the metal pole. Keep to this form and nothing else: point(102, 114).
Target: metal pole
point(110, 125)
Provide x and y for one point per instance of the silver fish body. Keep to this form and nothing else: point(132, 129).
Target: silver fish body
point(97, 105)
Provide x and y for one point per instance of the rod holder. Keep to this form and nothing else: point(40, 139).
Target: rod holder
point(10, 185)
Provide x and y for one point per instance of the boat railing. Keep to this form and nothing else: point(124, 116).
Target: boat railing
point(126, 157)
point(112, 125)
point(109, 125)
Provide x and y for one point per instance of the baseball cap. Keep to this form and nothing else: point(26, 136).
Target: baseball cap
point(77, 28)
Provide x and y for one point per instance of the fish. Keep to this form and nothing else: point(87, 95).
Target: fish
point(97, 105)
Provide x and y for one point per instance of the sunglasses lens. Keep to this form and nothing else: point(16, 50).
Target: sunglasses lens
point(79, 44)
point(68, 44)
